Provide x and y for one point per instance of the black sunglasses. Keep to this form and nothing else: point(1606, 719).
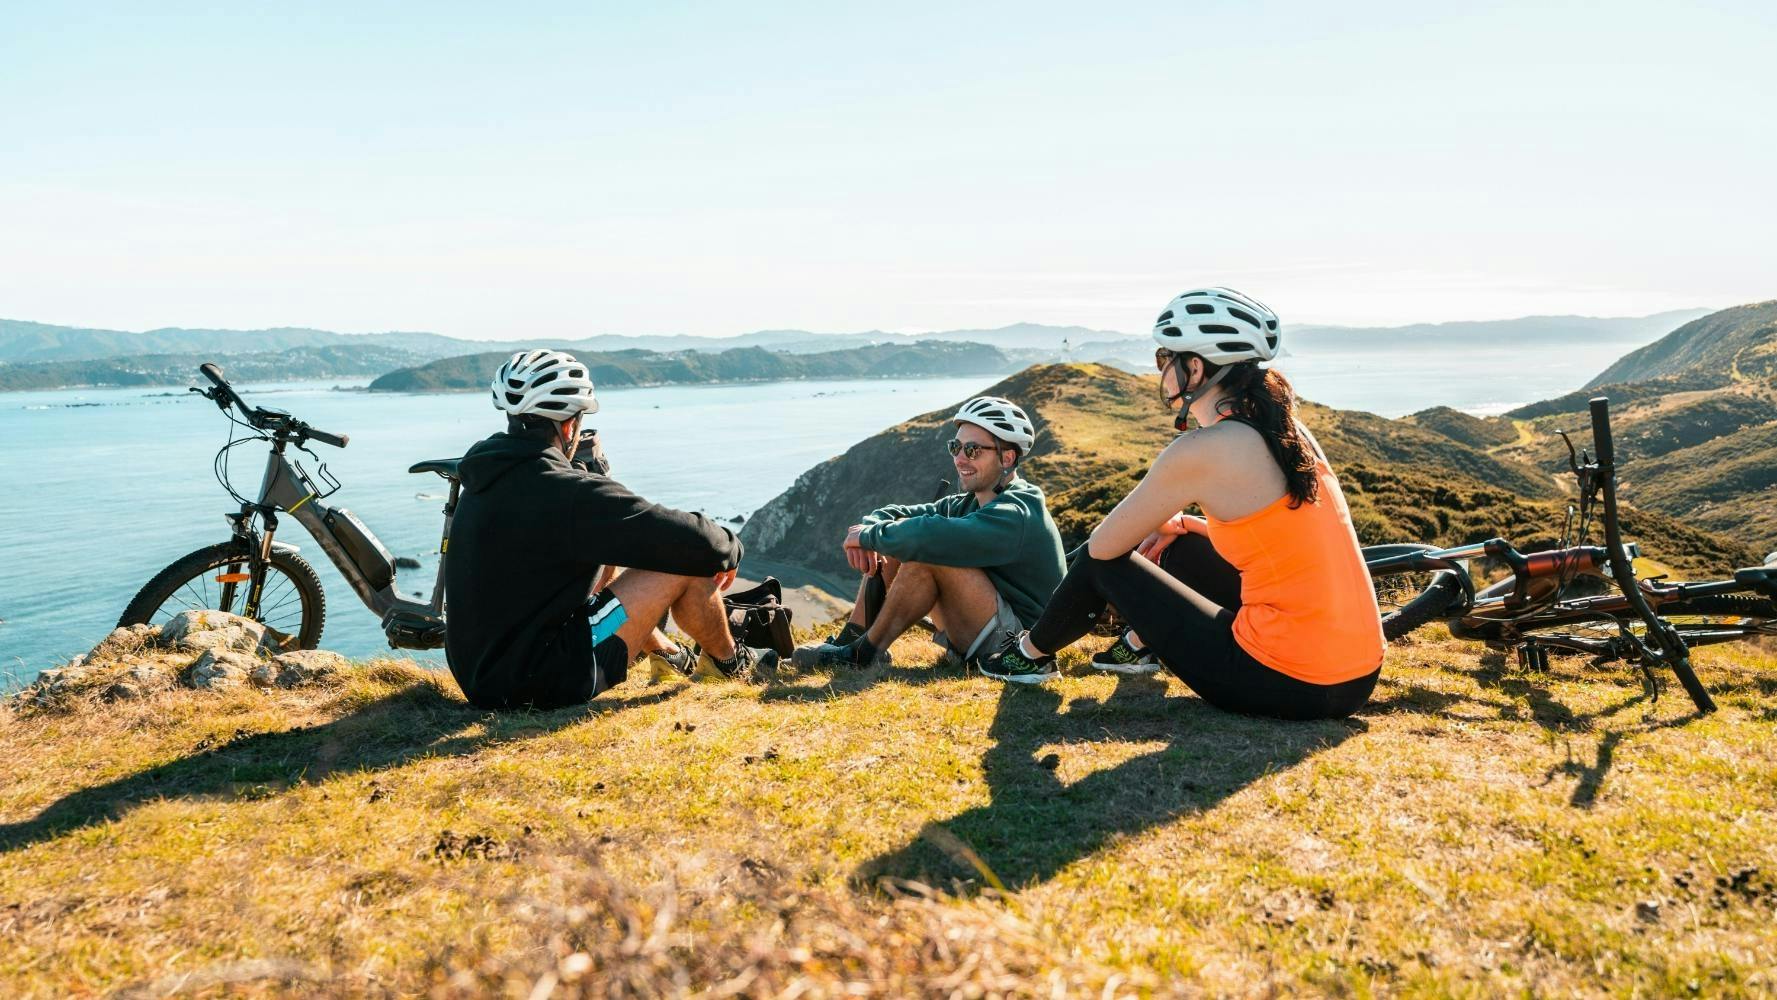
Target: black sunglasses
point(969, 448)
point(1162, 358)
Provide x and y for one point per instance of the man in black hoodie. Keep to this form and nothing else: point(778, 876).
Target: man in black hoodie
point(532, 533)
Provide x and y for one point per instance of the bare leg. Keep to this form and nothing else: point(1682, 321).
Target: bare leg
point(959, 596)
point(694, 601)
point(889, 568)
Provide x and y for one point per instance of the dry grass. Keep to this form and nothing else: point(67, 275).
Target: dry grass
point(1475, 831)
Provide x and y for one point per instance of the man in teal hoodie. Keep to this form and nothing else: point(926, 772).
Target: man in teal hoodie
point(981, 562)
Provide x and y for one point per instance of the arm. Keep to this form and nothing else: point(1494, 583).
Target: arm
point(1157, 499)
point(621, 528)
point(899, 512)
point(985, 537)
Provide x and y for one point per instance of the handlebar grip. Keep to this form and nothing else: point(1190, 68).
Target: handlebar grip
point(211, 372)
point(336, 440)
point(1600, 407)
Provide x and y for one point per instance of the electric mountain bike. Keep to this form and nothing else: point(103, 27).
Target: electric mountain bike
point(1575, 599)
point(254, 575)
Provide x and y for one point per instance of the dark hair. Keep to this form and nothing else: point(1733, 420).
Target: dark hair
point(1264, 400)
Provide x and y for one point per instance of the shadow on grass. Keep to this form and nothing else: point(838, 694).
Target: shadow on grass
point(849, 681)
point(413, 722)
point(1037, 824)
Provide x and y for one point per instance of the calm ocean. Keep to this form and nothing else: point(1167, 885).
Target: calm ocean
point(100, 488)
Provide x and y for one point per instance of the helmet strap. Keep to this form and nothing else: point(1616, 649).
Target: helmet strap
point(1188, 396)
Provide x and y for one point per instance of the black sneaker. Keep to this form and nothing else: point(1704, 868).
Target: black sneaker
point(1122, 658)
point(847, 635)
point(831, 656)
point(1011, 665)
point(748, 664)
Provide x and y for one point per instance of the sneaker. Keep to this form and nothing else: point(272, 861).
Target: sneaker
point(830, 655)
point(748, 664)
point(666, 666)
point(1122, 658)
point(845, 636)
point(1011, 665)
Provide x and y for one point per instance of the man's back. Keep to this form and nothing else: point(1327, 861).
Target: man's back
point(531, 533)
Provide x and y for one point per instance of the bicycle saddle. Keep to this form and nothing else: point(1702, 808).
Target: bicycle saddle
point(446, 467)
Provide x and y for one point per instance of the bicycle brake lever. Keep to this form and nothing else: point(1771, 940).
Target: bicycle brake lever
point(1572, 461)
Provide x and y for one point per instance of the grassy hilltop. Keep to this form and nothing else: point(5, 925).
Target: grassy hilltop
point(896, 832)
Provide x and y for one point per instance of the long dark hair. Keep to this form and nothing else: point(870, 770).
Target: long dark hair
point(1264, 400)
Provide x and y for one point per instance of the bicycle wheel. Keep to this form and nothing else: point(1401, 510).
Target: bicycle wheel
point(291, 604)
point(1409, 598)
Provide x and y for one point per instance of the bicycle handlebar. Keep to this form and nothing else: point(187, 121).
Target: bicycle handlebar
point(1671, 648)
point(261, 419)
point(1600, 407)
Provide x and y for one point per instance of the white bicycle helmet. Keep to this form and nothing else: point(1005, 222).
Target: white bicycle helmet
point(1000, 417)
point(1219, 325)
point(547, 383)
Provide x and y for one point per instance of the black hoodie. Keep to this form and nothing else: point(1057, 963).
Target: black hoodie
point(530, 535)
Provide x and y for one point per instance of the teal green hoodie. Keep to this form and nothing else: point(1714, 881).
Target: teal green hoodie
point(1013, 539)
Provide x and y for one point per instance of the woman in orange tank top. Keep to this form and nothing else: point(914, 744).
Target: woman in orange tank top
point(1263, 606)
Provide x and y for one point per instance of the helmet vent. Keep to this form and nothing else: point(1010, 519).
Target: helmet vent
point(1233, 347)
point(1271, 324)
point(1217, 329)
point(1242, 315)
point(545, 378)
point(1199, 308)
point(1171, 331)
point(1164, 317)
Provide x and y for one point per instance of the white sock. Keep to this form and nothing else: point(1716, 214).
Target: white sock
point(1030, 652)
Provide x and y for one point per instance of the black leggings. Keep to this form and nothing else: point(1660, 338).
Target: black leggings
point(1183, 610)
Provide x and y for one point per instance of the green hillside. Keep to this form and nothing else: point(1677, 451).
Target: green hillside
point(1740, 343)
point(1694, 416)
point(1465, 428)
point(743, 364)
point(1099, 428)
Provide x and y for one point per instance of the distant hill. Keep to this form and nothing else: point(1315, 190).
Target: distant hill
point(745, 364)
point(181, 369)
point(1524, 329)
point(1099, 429)
point(1737, 343)
point(1694, 416)
point(1476, 432)
point(22, 341)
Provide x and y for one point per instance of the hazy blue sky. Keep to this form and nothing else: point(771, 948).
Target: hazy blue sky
point(528, 169)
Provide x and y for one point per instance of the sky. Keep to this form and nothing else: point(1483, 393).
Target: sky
point(533, 169)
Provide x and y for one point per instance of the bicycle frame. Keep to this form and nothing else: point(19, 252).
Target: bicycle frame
point(286, 487)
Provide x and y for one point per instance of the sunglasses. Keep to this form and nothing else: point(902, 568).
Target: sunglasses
point(969, 448)
point(1162, 358)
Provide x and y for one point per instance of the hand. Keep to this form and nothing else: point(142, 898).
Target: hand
point(1151, 546)
point(725, 579)
point(861, 559)
point(1174, 526)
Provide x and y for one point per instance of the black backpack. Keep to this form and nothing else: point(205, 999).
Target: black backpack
point(758, 618)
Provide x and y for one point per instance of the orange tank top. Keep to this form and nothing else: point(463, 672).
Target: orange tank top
point(1307, 608)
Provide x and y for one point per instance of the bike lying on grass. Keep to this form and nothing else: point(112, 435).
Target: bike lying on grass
point(258, 577)
point(1562, 600)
